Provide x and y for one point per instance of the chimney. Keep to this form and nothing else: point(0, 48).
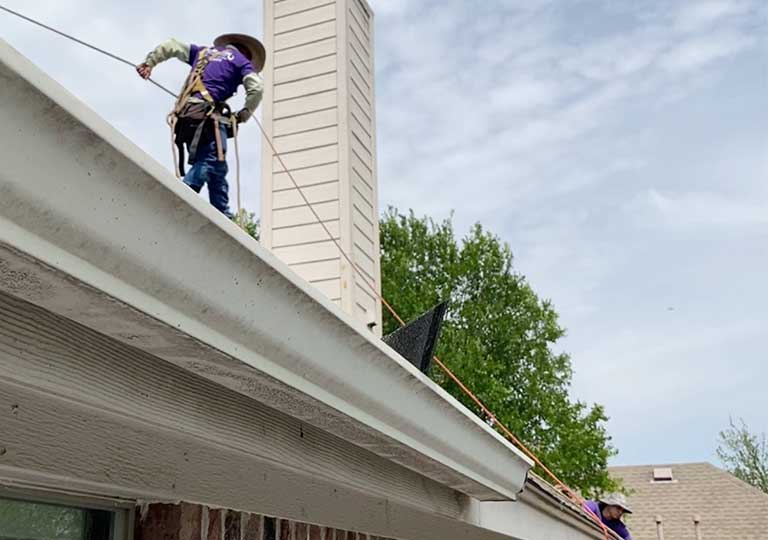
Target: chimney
point(319, 111)
point(659, 528)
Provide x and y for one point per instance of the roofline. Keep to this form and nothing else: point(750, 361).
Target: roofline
point(539, 503)
point(730, 476)
point(99, 220)
point(662, 465)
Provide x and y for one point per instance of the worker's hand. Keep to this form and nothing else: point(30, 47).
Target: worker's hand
point(144, 71)
point(242, 116)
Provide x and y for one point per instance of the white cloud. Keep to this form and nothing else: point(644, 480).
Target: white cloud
point(700, 209)
point(660, 381)
point(700, 15)
point(525, 92)
point(663, 364)
point(617, 56)
point(524, 95)
point(696, 52)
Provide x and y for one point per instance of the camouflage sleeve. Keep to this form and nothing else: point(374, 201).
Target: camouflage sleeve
point(254, 89)
point(167, 50)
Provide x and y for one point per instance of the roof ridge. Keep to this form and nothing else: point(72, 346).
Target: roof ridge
point(682, 464)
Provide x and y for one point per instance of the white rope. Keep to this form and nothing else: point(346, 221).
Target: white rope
point(240, 216)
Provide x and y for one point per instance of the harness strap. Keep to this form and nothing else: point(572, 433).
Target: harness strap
point(194, 82)
point(192, 85)
point(180, 149)
point(195, 142)
point(240, 212)
point(176, 147)
point(217, 134)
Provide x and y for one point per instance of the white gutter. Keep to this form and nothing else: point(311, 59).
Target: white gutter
point(93, 229)
point(540, 513)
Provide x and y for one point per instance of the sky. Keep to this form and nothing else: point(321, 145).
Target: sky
point(619, 146)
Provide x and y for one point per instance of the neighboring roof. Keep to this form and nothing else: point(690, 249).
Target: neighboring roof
point(729, 509)
point(93, 229)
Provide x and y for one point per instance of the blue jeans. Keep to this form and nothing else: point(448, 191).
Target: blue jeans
point(207, 169)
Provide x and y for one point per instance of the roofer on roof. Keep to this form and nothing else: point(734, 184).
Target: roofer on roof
point(201, 119)
point(609, 509)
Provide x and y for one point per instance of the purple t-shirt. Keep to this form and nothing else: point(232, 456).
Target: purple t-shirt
point(224, 74)
point(616, 525)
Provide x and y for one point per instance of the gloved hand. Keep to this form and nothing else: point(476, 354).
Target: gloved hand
point(144, 71)
point(242, 116)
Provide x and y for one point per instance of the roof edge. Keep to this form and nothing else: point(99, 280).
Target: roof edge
point(100, 219)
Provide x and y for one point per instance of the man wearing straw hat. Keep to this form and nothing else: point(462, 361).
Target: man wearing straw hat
point(201, 120)
point(610, 508)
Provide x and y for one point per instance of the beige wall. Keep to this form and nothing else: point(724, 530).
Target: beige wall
point(319, 111)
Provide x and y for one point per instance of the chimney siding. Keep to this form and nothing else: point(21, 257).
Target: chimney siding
point(319, 111)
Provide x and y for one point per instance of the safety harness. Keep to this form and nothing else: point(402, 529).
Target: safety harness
point(188, 119)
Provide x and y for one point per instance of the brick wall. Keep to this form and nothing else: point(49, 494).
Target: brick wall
point(194, 522)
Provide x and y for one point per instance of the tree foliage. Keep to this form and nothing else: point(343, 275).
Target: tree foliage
point(744, 454)
point(248, 222)
point(498, 337)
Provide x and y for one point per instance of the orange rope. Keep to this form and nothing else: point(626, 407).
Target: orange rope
point(577, 499)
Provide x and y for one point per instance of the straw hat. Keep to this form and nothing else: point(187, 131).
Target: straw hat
point(254, 47)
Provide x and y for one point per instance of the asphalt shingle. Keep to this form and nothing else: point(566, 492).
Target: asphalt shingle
point(729, 509)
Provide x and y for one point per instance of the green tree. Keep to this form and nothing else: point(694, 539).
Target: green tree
point(247, 220)
point(744, 454)
point(498, 337)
